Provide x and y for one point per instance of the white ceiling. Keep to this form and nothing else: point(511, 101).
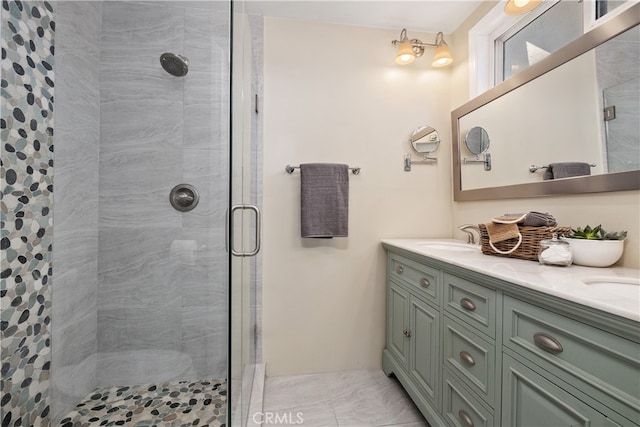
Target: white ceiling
point(427, 16)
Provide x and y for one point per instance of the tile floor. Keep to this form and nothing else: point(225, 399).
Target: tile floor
point(340, 399)
point(175, 404)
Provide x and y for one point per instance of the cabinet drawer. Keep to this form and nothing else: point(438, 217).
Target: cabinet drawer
point(472, 303)
point(530, 400)
point(600, 364)
point(471, 357)
point(461, 408)
point(425, 280)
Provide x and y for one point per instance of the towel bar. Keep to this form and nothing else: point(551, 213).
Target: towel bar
point(290, 169)
point(534, 168)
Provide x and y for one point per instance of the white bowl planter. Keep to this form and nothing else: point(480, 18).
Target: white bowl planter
point(595, 253)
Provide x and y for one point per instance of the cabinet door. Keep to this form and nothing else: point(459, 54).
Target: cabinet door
point(397, 322)
point(424, 348)
point(528, 399)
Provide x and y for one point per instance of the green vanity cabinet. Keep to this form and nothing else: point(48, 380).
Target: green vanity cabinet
point(475, 350)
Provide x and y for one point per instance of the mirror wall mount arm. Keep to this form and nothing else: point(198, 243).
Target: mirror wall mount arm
point(621, 181)
point(486, 160)
point(426, 160)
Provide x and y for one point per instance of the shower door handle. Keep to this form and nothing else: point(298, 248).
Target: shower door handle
point(256, 249)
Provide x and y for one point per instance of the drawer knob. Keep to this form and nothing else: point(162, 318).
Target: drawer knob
point(407, 333)
point(547, 343)
point(425, 282)
point(399, 269)
point(465, 418)
point(467, 304)
point(467, 359)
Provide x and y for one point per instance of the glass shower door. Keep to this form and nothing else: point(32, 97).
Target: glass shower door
point(244, 219)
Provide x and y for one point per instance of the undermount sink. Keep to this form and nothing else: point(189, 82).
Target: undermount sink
point(614, 287)
point(611, 282)
point(450, 246)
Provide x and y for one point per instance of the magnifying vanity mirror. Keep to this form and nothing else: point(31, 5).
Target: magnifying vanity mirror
point(477, 140)
point(579, 104)
point(424, 140)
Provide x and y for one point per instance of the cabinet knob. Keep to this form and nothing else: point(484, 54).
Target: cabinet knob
point(467, 304)
point(399, 269)
point(425, 282)
point(465, 418)
point(407, 333)
point(467, 359)
point(547, 343)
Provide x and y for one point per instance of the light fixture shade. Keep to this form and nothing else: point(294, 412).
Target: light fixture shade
point(518, 7)
point(442, 57)
point(405, 53)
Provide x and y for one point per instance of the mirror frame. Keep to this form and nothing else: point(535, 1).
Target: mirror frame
point(619, 181)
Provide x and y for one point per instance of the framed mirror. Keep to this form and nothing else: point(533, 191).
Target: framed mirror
point(577, 105)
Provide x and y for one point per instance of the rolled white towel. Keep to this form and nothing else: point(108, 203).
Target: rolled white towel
point(556, 254)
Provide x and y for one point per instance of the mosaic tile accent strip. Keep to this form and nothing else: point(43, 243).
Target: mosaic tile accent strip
point(26, 170)
point(174, 404)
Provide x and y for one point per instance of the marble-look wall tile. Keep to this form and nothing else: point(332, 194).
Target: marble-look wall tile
point(76, 341)
point(149, 366)
point(204, 338)
point(70, 384)
point(137, 257)
point(208, 171)
point(135, 186)
point(156, 328)
point(26, 210)
point(75, 322)
point(78, 24)
point(207, 84)
point(75, 284)
point(204, 282)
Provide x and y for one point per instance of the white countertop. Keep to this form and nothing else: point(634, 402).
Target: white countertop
point(564, 282)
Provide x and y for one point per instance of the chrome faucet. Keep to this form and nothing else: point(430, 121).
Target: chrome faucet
point(470, 237)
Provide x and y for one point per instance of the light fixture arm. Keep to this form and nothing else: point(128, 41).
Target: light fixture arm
point(419, 43)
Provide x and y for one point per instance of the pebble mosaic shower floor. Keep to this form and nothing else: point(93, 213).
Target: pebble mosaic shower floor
point(176, 404)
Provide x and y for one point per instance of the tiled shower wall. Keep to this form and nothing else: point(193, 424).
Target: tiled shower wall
point(26, 129)
point(162, 274)
point(75, 258)
point(618, 62)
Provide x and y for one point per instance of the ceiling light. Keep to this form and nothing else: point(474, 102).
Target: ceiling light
point(409, 50)
point(518, 7)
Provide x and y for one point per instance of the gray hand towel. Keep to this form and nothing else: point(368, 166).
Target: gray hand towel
point(324, 204)
point(566, 170)
point(540, 219)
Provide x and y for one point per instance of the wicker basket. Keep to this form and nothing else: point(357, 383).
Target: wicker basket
point(531, 237)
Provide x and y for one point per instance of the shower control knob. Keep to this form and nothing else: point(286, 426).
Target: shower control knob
point(184, 197)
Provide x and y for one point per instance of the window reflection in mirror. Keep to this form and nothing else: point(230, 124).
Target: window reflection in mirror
point(556, 27)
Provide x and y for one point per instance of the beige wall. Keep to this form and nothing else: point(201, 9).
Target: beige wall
point(334, 94)
point(615, 211)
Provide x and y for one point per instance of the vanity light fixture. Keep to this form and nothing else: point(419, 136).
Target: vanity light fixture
point(518, 7)
point(410, 49)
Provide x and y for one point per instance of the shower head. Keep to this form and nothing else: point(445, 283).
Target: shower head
point(176, 65)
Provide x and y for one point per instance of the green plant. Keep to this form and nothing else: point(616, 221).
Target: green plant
point(596, 233)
